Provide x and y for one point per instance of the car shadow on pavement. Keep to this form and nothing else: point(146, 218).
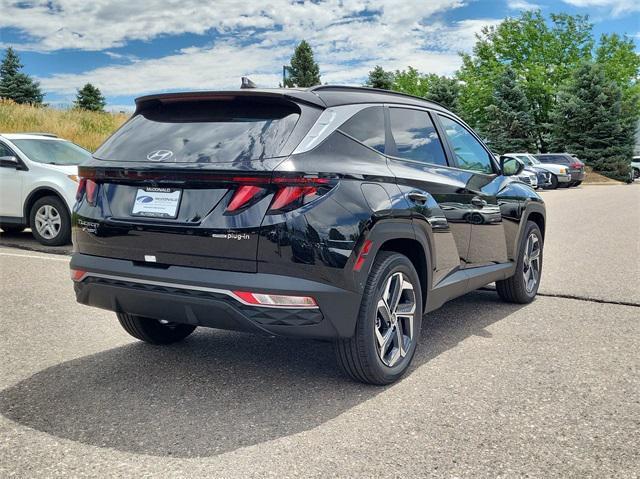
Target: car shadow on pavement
point(217, 391)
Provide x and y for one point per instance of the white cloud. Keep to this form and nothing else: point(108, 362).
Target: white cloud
point(522, 5)
point(617, 7)
point(349, 37)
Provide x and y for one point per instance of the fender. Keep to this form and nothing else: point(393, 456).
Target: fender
point(383, 232)
point(49, 189)
point(530, 206)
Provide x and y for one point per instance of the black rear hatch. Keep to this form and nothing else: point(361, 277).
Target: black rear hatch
point(187, 181)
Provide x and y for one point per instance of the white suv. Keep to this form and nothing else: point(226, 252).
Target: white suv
point(38, 182)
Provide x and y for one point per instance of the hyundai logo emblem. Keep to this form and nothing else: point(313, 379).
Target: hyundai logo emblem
point(160, 155)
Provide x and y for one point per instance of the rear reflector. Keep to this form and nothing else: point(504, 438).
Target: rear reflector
point(77, 274)
point(366, 247)
point(275, 300)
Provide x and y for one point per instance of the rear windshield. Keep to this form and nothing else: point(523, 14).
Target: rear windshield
point(52, 152)
point(212, 131)
point(558, 159)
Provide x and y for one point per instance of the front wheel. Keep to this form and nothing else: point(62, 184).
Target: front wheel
point(154, 331)
point(554, 182)
point(388, 325)
point(522, 287)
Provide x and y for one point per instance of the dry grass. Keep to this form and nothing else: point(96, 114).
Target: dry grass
point(87, 129)
point(595, 178)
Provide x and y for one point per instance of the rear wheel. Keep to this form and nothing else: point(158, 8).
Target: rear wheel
point(388, 325)
point(636, 173)
point(576, 183)
point(154, 331)
point(522, 287)
point(49, 221)
point(554, 182)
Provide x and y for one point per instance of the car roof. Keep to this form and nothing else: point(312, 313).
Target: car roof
point(29, 136)
point(322, 96)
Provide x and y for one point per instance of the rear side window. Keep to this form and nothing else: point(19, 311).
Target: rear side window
point(52, 152)
point(415, 136)
point(367, 126)
point(212, 131)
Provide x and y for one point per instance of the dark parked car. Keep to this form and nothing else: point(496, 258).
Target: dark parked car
point(575, 166)
point(334, 213)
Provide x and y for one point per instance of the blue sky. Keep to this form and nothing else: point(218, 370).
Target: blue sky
point(132, 47)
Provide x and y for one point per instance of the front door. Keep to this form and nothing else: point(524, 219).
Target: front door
point(10, 186)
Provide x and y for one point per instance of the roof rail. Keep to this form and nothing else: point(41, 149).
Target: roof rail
point(372, 90)
point(50, 135)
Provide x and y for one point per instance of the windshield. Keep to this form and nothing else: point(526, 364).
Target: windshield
point(52, 152)
point(213, 131)
point(528, 159)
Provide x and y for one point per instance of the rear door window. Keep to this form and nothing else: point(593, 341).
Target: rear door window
point(469, 152)
point(211, 131)
point(415, 136)
point(367, 126)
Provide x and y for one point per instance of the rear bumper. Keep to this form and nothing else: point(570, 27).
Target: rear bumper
point(564, 178)
point(204, 297)
point(577, 175)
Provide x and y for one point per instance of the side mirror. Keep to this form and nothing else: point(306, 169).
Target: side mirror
point(9, 162)
point(511, 166)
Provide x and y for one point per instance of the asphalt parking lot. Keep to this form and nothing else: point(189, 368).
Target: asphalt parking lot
point(551, 389)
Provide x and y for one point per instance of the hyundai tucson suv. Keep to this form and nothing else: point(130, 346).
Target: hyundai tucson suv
point(333, 213)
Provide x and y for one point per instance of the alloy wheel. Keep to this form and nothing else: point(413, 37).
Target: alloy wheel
point(395, 318)
point(48, 222)
point(531, 269)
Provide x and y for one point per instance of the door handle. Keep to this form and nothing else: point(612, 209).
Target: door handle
point(479, 202)
point(417, 197)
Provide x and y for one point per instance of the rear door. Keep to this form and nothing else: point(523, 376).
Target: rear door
point(185, 183)
point(480, 193)
point(417, 159)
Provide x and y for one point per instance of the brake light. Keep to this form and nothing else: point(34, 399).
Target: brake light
point(82, 183)
point(276, 300)
point(243, 196)
point(576, 165)
point(92, 191)
point(290, 192)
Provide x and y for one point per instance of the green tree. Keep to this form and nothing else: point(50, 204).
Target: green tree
point(410, 81)
point(90, 98)
point(16, 85)
point(380, 78)
point(587, 122)
point(543, 55)
point(303, 70)
point(444, 91)
point(509, 124)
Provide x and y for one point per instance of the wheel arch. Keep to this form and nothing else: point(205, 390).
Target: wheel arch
point(401, 237)
point(38, 193)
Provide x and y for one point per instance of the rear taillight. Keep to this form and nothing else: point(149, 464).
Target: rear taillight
point(89, 188)
point(290, 193)
point(576, 165)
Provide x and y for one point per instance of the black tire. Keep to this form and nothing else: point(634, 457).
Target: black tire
point(636, 173)
point(358, 356)
point(153, 331)
point(554, 182)
point(576, 183)
point(514, 289)
point(63, 235)
point(12, 228)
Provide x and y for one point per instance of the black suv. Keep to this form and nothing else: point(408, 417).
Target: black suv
point(333, 213)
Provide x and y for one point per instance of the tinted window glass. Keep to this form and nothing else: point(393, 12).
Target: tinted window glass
point(212, 131)
point(367, 126)
point(53, 152)
point(557, 159)
point(415, 136)
point(5, 151)
point(470, 154)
